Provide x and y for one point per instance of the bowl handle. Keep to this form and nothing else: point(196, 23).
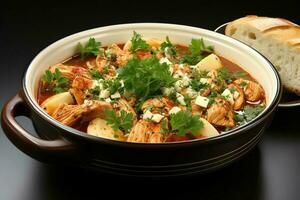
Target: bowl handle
point(37, 148)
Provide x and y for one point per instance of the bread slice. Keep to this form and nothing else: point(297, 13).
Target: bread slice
point(277, 39)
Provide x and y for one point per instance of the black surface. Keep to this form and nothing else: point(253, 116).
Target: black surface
point(271, 171)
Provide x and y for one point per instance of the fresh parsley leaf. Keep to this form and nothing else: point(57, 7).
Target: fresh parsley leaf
point(95, 90)
point(164, 128)
point(90, 49)
point(243, 84)
point(212, 97)
point(197, 51)
point(248, 114)
point(169, 47)
point(252, 112)
point(240, 74)
point(197, 85)
point(55, 81)
point(123, 122)
point(112, 85)
point(183, 122)
point(95, 74)
point(137, 43)
point(145, 77)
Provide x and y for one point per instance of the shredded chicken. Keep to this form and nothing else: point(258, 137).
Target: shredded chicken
point(70, 72)
point(221, 113)
point(145, 132)
point(158, 105)
point(238, 96)
point(253, 91)
point(70, 114)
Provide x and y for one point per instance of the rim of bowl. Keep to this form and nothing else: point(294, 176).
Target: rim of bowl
point(79, 134)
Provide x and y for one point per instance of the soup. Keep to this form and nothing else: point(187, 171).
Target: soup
point(150, 91)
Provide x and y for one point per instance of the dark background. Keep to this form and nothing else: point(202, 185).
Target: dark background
point(271, 171)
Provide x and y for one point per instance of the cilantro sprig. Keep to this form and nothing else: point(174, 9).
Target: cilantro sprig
point(197, 51)
point(55, 81)
point(137, 43)
point(92, 48)
point(169, 47)
point(95, 74)
point(249, 113)
point(123, 122)
point(184, 122)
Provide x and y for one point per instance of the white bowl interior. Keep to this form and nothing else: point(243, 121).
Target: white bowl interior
point(229, 48)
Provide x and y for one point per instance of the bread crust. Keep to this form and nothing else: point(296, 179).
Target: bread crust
point(283, 31)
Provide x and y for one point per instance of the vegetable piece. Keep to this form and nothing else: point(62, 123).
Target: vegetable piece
point(123, 122)
point(248, 113)
point(55, 81)
point(90, 49)
point(145, 78)
point(99, 127)
point(137, 43)
point(197, 51)
point(95, 74)
point(209, 63)
point(168, 47)
point(50, 104)
point(208, 130)
point(183, 122)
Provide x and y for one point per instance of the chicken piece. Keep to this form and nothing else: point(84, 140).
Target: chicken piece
point(158, 105)
point(78, 94)
point(253, 91)
point(196, 109)
point(122, 104)
point(70, 114)
point(238, 96)
point(145, 132)
point(120, 57)
point(214, 82)
point(70, 72)
point(221, 113)
point(82, 83)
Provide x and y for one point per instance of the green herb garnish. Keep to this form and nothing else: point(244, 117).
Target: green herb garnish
point(95, 91)
point(197, 51)
point(197, 85)
point(56, 82)
point(171, 49)
point(137, 43)
point(112, 85)
point(123, 122)
point(184, 122)
point(145, 77)
point(90, 49)
point(95, 74)
point(249, 113)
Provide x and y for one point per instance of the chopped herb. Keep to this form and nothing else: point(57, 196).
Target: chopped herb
point(184, 122)
point(243, 84)
point(248, 113)
point(240, 74)
point(197, 51)
point(225, 75)
point(164, 129)
point(232, 90)
point(95, 90)
point(212, 97)
point(123, 122)
point(112, 85)
point(90, 49)
point(55, 81)
point(197, 85)
point(95, 74)
point(168, 46)
point(137, 43)
point(145, 77)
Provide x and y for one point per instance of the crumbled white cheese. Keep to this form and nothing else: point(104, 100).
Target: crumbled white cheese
point(104, 94)
point(181, 66)
point(174, 110)
point(191, 93)
point(202, 101)
point(87, 102)
point(178, 74)
point(179, 85)
point(116, 95)
point(165, 60)
point(157, 118)
point(180, 99)
point(193, 66)
point(108, 100)
point(185, 81)
point(122, 83)
point(148, 115)
point(171, 70)
point(236, 94)
point(228, 96)
point(167, 91)
point(204, 80)
point(97, 83)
